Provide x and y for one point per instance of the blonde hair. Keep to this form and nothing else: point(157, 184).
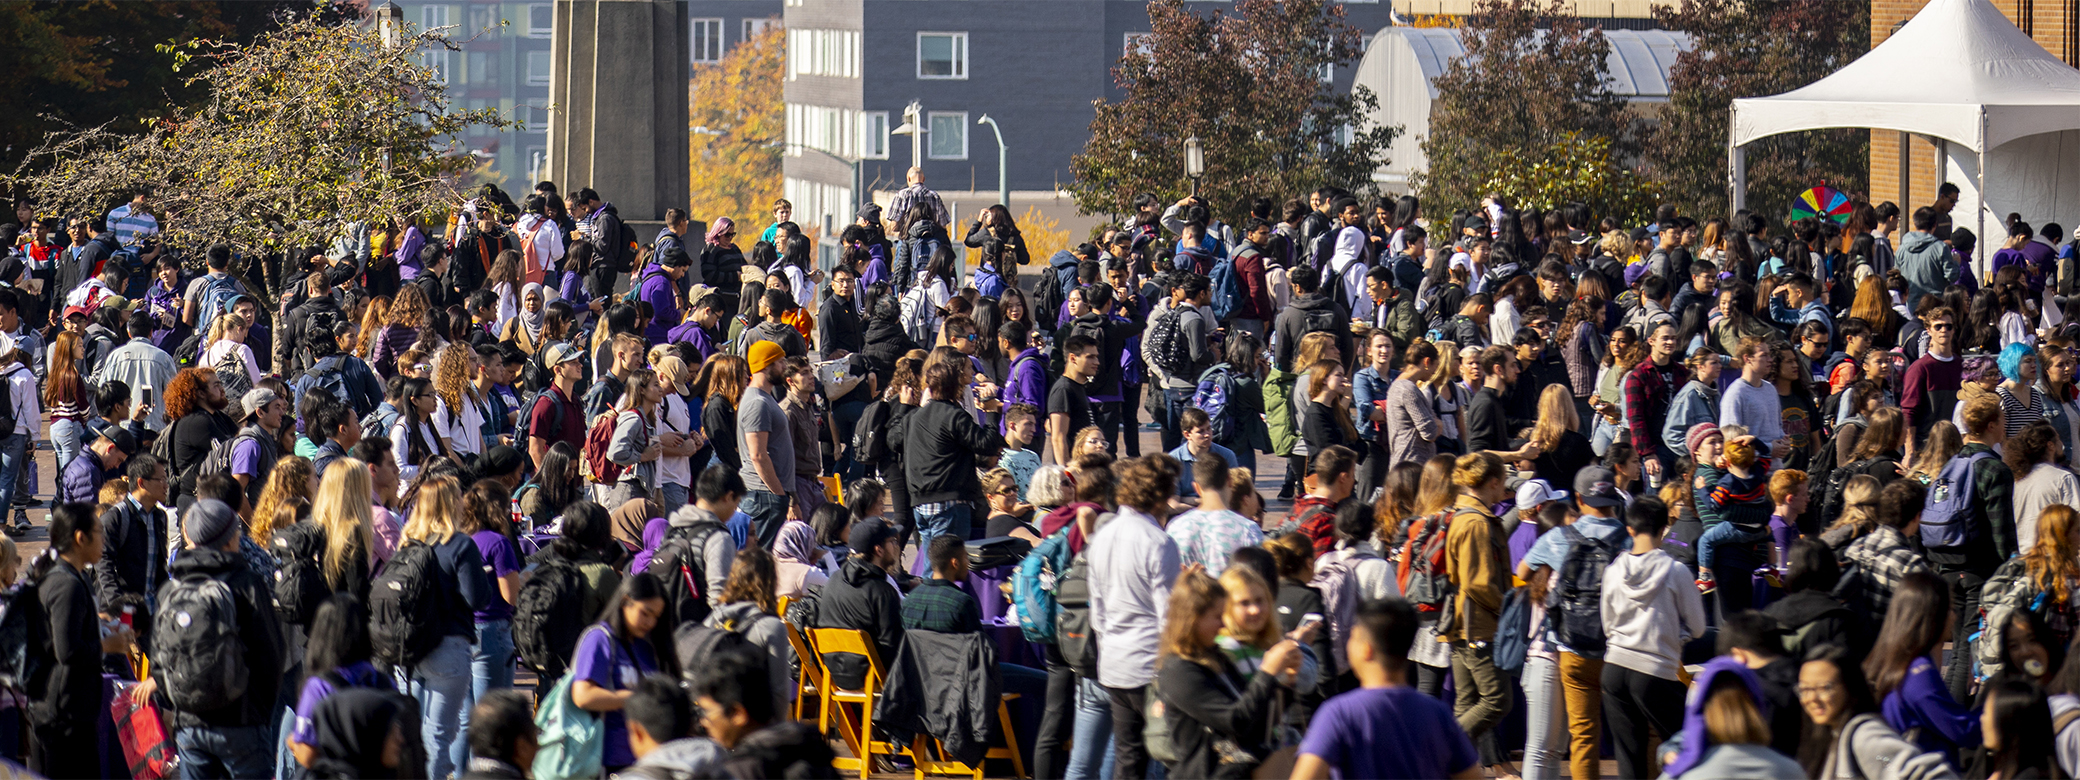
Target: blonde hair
point(223, 324)
point(1556, 416)
point(1076, 450)
point(1475, 470)
point(1311, 348)
point(345, 509)
point(1194, 595)
point(998, 481)
point(1447, 366)
point(288, 486)
point(433, 514)
point(1241, 581)
point(1859, 505)
point(114, 491)
point(451, 377)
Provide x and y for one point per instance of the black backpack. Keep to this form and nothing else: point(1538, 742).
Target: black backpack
point(403, 606)
point(1574, 606)
point(7, 420)
point(870, 437)
point(21, 627)
point(548, 616)
point(1095, 331)
point(299, 579)
point(1837, 481)
point(1074, 635)
point(1165, 343)
point(195, 644)
point(1048, 298)
point(678, 564)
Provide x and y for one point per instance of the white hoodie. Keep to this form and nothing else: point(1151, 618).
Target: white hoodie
point(1650, 608)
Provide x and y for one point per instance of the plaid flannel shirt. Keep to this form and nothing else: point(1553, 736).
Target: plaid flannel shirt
point(1884, 556)
point(1647, 399)
point(939, 605)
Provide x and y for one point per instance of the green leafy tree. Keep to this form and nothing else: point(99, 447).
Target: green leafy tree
point(1577, 168)
point(312, 126)
point(1535, 79)
point(1753, 48)
point(1249, 84)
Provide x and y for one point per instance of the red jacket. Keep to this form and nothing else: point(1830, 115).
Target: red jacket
point(1256, 295)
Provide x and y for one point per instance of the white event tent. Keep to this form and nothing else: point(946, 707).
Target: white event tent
point(2003, 112)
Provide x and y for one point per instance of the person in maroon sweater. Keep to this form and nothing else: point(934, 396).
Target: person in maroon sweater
point(1930, 389)
point(1255, 307)
point(1649, 389)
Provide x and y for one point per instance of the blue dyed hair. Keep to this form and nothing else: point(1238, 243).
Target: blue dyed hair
point(2011, 360)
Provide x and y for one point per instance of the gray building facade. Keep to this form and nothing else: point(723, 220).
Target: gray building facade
point(506, 67)
point(1032, 66)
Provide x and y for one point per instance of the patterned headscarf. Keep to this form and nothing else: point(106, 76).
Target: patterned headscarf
point(796, 542)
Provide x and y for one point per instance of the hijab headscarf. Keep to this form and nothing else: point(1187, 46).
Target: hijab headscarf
point(722, 227)
point(796, 542)
point(1723, 670)
point(632, 517)
point(532, 320)
point(353, 724)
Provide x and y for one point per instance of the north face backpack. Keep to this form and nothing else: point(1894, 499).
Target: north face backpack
point(403, 605)
point(196, 646)
point(1422, 572)
point(679, 565)
point(1165, 343)
point(1034, 588)
point(1948, 520)
point(299, 579)
point(1574, 606)
point(548, 616)
point(1216, 386)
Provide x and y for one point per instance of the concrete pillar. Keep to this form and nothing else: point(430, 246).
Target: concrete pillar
point(618, 103)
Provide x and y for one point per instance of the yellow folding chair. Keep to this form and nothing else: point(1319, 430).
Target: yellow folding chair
point(943, 766)
point(859, 736)
point(805, 682)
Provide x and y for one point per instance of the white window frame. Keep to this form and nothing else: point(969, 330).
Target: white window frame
point(544, 31)
point(540, 77)
point(537, 161)
point(485, 19)
point(442, 61)
point(1134, 42)
point(960, 56)
point(753, 26)
point(714, 32)
point(873, 135)
point(931, 118)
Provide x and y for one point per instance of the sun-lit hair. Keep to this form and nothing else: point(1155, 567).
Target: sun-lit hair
point(408, 310)
point(63, 385)
point(1243, 582)
point(372, 325)
point(2050, 560)
point(1556, 416)
point(224, 323)
point(724, 375)
point(451, 379)
point(1194, 595)
point(345, 510)
point(438, 503)
point(188, 392)
point(288, 486)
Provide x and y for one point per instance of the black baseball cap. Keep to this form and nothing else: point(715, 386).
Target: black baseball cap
point(1598, 487)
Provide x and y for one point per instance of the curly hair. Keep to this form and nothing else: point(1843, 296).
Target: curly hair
point(451, 377)
point(408, 310)
point(288, 485)
point(752, 578)
point(1146, 483)
point(371, 324)
point(188, 392)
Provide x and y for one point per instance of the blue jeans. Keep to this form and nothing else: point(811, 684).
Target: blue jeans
point(670, 497)
point(954, 517)
point(285, 766)
point(441, 683)
point(13, 454)
point(66, 438)
point(1726, 533)
point(767, 512)
point(1090, 756)
point(1175, 401)
point(491, 658)
point(224, 752)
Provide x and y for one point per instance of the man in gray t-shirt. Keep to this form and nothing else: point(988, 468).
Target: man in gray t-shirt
point(765, 443)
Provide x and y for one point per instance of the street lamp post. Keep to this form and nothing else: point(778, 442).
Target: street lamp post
point(390, 25)
point(1003, 182)
point(913, 126)
point(1194, 162)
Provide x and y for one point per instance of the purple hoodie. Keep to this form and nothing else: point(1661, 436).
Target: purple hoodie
point(407, 256)
point(1027, 382)
point(659, 290)
point(691, 332)
point(1696, 741)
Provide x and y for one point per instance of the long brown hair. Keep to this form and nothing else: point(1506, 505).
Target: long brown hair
point(408, 310)
point(1438, 493)
point(372, 324)
point(1194, 595)
point(752, 578)
point(1915, 624)
point(724, 375)
point(1886, 433)
point(1398, 503)
point(1873, 304)
point(1556, 416)
point(2050, 561)
point(63, 386)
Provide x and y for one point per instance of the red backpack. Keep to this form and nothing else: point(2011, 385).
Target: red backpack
point(601, 468)
point(1423, 571)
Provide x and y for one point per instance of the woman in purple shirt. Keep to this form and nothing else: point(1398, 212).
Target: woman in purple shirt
point(336, 657)
point(1904, 674)
point(485, 510)
point(614, 655)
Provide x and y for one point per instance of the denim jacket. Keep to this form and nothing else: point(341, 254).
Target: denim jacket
point(1695, 403)
point(1368, 389)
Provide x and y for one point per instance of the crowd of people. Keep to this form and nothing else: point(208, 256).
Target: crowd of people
point(1747, 497)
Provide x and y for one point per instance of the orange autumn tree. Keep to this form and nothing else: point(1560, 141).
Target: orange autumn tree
point(736, 160)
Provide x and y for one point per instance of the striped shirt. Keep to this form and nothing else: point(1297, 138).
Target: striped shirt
point(2017, 414)
point(132, 226)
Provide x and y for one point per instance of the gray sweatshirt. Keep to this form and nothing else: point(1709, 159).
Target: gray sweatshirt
point(717, 553)
point(631, 437)
point(1754, 408)
point(1650, 608)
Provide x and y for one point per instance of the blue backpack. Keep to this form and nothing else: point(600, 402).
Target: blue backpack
point(330, 374)
point(1226, 290)
point(1033, 599)
point(1948, 520)
point(1513, 630)
point(1211, 396)
point(217, 294)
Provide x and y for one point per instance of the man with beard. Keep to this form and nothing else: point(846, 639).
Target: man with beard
point(195, 401)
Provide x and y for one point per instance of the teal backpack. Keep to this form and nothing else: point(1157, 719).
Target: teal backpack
point(1033, 587)
point(572, 741)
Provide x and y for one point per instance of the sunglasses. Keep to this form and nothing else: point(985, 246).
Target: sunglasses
point(1942, 326)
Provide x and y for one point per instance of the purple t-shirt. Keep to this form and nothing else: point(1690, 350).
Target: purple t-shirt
point(245, 459)
point(1388, 732)
point(499, 561)
point(315, 688)
point(608, 664)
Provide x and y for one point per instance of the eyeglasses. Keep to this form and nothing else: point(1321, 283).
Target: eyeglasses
point(1817, 690)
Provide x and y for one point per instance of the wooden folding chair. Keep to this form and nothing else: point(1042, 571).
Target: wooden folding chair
point(859, 736)
point(805, 679)
point(926, 745)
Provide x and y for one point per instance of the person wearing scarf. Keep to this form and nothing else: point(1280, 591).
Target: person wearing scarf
point(366, 733)
point(794, 560)
point(525, 329)
point(1725, 729)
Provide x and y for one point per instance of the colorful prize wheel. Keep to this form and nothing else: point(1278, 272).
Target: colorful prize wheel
point(1824, 202)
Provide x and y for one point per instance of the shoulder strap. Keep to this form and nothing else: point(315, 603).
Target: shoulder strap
point(2060, 721)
